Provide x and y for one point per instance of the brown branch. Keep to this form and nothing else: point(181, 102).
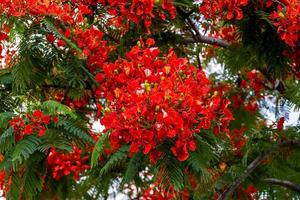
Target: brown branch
point(255, 163)
point(197, 36)
point(284, 183)
point(205, 40)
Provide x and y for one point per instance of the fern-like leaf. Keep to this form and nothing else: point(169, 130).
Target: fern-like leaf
point(132, 168)
point(24, 149)
point(114, 161)
point(4, 119)
point(7, 140)
point(99, 149)
point(75, 128)
point(55, 107)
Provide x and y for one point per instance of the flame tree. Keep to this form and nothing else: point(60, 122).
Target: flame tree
point(174, 127)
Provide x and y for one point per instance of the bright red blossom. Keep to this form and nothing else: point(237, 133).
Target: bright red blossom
point(64, 164)
point(36, 124)
point(280, 124)
point(220, 9)
point(152, 100)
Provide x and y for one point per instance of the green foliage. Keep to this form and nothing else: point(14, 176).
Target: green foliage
point(99, 149)
point(76, 129)
point(171, 173)
point(114, 161)
point(54, 138)
point(132, 168)
point(32, 180)
point(7, 140)
point(5, 118)
point(24, 149)
point(56, 108)
point(43, 70)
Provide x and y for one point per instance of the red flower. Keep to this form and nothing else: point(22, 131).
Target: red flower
point(3, 36)
point(150, 42)
point(37, 114)
point(50, 38)
point(46, 119)
point(28, 130)
point(280, 124)
point(55, 119)
point(42, 131)
point(154, 156)
point(150, 102)
point(64, 164)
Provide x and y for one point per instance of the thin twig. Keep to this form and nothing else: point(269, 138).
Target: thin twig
point(254, 164)
point(284, 183)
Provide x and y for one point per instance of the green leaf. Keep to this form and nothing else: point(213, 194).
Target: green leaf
point(115, 160)
point(32, 182)
point(53, 138)
point(175, 174)
point(15, 192)
point(75, 128)
point(54, 107)
point(99, 149)
point(132, 168)
point(24, 149)
point(5, 118)
point(7, 140)
point(22, 73)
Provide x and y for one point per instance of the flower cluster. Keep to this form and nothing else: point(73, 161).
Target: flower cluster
point(237, 140)
point(249, 80)
point(93, 46)
point(64, 164)
point(286, 19)
point(2, 175)
point(139, 10)
point(153, 100)
point(156, 192)
point(70, 12)
point(35, 123)
point(220, 9)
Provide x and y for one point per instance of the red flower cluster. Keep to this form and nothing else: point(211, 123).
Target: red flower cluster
point(2, 175)
point(249, 80)
point(218, 9)
point(71, 12)
point(94, 48)
point(286, 19)
point(250, 192)
point(153, 100)
point(237, 140)
point(139, 10)
point(229, 33)
point(6, 48)
point(155, 192)
point(35, 7)
point(33, 123)
point(2, 180)
point(64, 164)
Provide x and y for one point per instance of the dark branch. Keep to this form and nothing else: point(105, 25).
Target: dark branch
point(254, 164)
point(205, 40)
point(197, 36)
point(284, 183)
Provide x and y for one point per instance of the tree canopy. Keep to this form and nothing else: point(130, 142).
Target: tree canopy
point(149, 99)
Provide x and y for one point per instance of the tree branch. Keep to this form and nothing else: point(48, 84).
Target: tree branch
point(284, 183)
point(205, 40)
point(255, 163)
point(197, 36)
